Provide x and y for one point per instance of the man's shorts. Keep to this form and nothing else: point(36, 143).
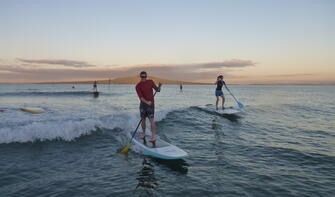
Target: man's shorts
point(218, 93)
point(147, 110)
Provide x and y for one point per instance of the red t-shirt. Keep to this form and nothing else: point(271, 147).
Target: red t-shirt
point(144, 89)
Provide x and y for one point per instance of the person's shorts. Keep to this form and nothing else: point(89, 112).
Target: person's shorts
point(218, 93)
point(147, 110)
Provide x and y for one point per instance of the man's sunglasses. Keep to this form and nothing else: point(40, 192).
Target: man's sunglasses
point(143, 76)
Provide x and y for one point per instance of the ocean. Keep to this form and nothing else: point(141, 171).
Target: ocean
point(282, 144)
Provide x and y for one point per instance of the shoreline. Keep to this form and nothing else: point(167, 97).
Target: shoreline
point(73, 83)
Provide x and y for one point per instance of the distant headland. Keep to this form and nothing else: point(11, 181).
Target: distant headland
point(126, 80)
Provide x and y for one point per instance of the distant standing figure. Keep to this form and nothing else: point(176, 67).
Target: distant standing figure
point(95, 88)
point(181, 87)
point(73, 87)
point(218, 92)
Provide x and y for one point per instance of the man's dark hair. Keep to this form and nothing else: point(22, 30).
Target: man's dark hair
point(143, 73)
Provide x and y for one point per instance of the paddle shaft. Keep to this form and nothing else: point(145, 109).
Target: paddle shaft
point(231, 94)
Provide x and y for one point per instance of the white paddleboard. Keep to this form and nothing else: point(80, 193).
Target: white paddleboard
point(33, 110)
point(226, 111)
point(161, 149)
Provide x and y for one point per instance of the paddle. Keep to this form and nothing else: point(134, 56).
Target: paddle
point(240, 105)
point(126, 149)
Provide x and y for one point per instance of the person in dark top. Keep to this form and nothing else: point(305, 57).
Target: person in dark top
point(218, 92)
point(144, 91)
point(95, 89)
point(181, 87)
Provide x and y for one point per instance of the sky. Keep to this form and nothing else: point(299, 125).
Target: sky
point(249, 42)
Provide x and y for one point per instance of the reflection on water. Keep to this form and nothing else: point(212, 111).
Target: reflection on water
point(147, 182)
point(146, 178)
point(216, 124)
point(178, 165)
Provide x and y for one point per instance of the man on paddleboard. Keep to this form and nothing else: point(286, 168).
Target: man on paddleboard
point(95, 88)
point(218, 92)
point(144, 91)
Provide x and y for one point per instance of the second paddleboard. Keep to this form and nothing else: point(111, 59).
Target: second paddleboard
point(33, 110)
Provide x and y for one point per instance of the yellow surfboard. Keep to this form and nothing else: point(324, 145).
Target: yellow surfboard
point(33, 110)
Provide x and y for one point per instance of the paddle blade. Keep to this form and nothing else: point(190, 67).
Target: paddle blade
point(240, 105)
point(125, 149)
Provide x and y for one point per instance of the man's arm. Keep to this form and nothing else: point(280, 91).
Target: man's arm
point(157, 88)
point(145, 101)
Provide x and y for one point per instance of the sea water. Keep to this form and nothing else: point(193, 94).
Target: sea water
point(282, 144)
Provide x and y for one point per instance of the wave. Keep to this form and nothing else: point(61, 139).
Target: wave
point(42, 131)
point(30, 128)
point(319, 133)
point(319, 110)
point(65, 93)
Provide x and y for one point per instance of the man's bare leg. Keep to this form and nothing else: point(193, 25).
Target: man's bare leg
point(153, 130)
point(144, 125)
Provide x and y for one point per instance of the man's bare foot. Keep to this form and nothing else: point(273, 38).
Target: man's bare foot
point(142, 136)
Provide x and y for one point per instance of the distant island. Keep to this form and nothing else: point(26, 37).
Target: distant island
point(127, 80)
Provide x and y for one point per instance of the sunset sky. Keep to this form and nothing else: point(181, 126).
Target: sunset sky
point(258, 41)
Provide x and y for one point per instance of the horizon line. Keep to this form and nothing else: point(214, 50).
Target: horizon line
point(191, 83)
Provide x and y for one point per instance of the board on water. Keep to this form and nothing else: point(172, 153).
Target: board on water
point(33, 110)
point(160, 149)
point(95, 94)
point(226, 111)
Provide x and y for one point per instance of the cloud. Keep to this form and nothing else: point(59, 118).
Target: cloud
point(291, 75)
point(185, 72)
point(69, 63)
point(233, 63)
point(194, 71)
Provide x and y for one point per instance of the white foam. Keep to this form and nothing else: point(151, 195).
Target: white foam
point(41, 131)
point(24, 127)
